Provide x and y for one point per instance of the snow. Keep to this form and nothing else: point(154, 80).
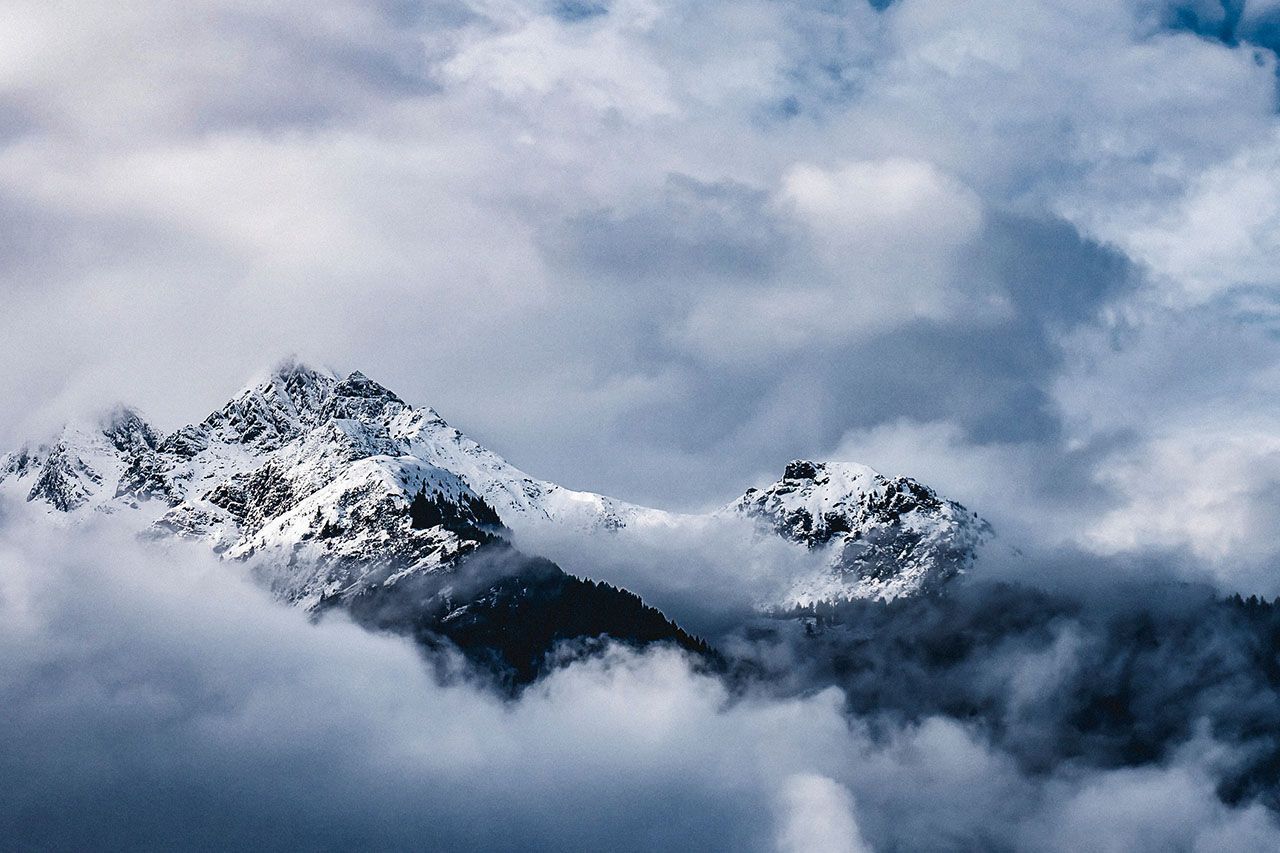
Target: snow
point(311, 477)
point(884, 537)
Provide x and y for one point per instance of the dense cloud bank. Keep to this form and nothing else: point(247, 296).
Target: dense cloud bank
point(159, 700)
point(1054, 679)
point(1038, 245)
point(657, 248)
point(153, 697)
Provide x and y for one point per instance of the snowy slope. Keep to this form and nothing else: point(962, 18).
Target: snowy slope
point(521, 500)
point(104, 465)
point(320, 480)
point(298, 470)
point(885, 537)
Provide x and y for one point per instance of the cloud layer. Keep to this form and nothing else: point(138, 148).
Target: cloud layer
point(154, 698)
point(656, 248)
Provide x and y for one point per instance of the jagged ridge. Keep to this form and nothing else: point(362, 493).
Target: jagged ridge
point(317, 479)
point(887, 536)
point(328, 487)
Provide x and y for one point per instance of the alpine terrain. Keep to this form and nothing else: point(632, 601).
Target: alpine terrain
point(340, 494)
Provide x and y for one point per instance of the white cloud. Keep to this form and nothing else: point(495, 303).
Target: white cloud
point(818, 816)
point(1221, 234)
point(153, 696)
point(1214, 492)
point(1151, 810)
point(167, 673)
point(535, 59)
point(190, 195)
point(890, 231)
point(880, 241)
point(1000, 481)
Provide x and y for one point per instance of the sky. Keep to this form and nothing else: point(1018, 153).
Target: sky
point(1025, 254)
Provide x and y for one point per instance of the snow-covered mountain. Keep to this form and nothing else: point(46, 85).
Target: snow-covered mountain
point(334, 491)
point(884, 537)
point(323, 482)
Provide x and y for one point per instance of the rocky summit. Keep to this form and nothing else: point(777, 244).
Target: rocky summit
point(340, 493)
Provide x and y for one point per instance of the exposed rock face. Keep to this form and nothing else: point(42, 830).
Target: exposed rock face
point(333, 490)
point(65, 480)
point(266, 415)
point(887, 537)
point(325, 482)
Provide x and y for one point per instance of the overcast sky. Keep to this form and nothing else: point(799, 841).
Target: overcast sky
point(1029, 254)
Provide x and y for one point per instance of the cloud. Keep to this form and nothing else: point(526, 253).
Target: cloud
point(649, 248)
point(819, 816)
point(876, 201)
point(880, 240)
point(653, 248)
point(1151, 810)
point(154, 698)
point(1220, 235)
point(593, 65)
point(1030, 492)
point(707, 572)
point(689, 229)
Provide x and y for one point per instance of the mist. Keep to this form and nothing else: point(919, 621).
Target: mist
point(155, 697)
point(1026, 255)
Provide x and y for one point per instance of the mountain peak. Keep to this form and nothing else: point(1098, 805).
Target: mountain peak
point(92, 462)
point(287, 372)
point(842, 473)
point(886, 536)
point(272, 409)
point(817, 501)
point(126, 429)
point(292, 365)
point(303, 459)
point(801, 469)
point(358, 384)
point(360, 398)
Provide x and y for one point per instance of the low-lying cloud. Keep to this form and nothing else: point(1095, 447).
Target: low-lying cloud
point(153, 697)
point(156, 699)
